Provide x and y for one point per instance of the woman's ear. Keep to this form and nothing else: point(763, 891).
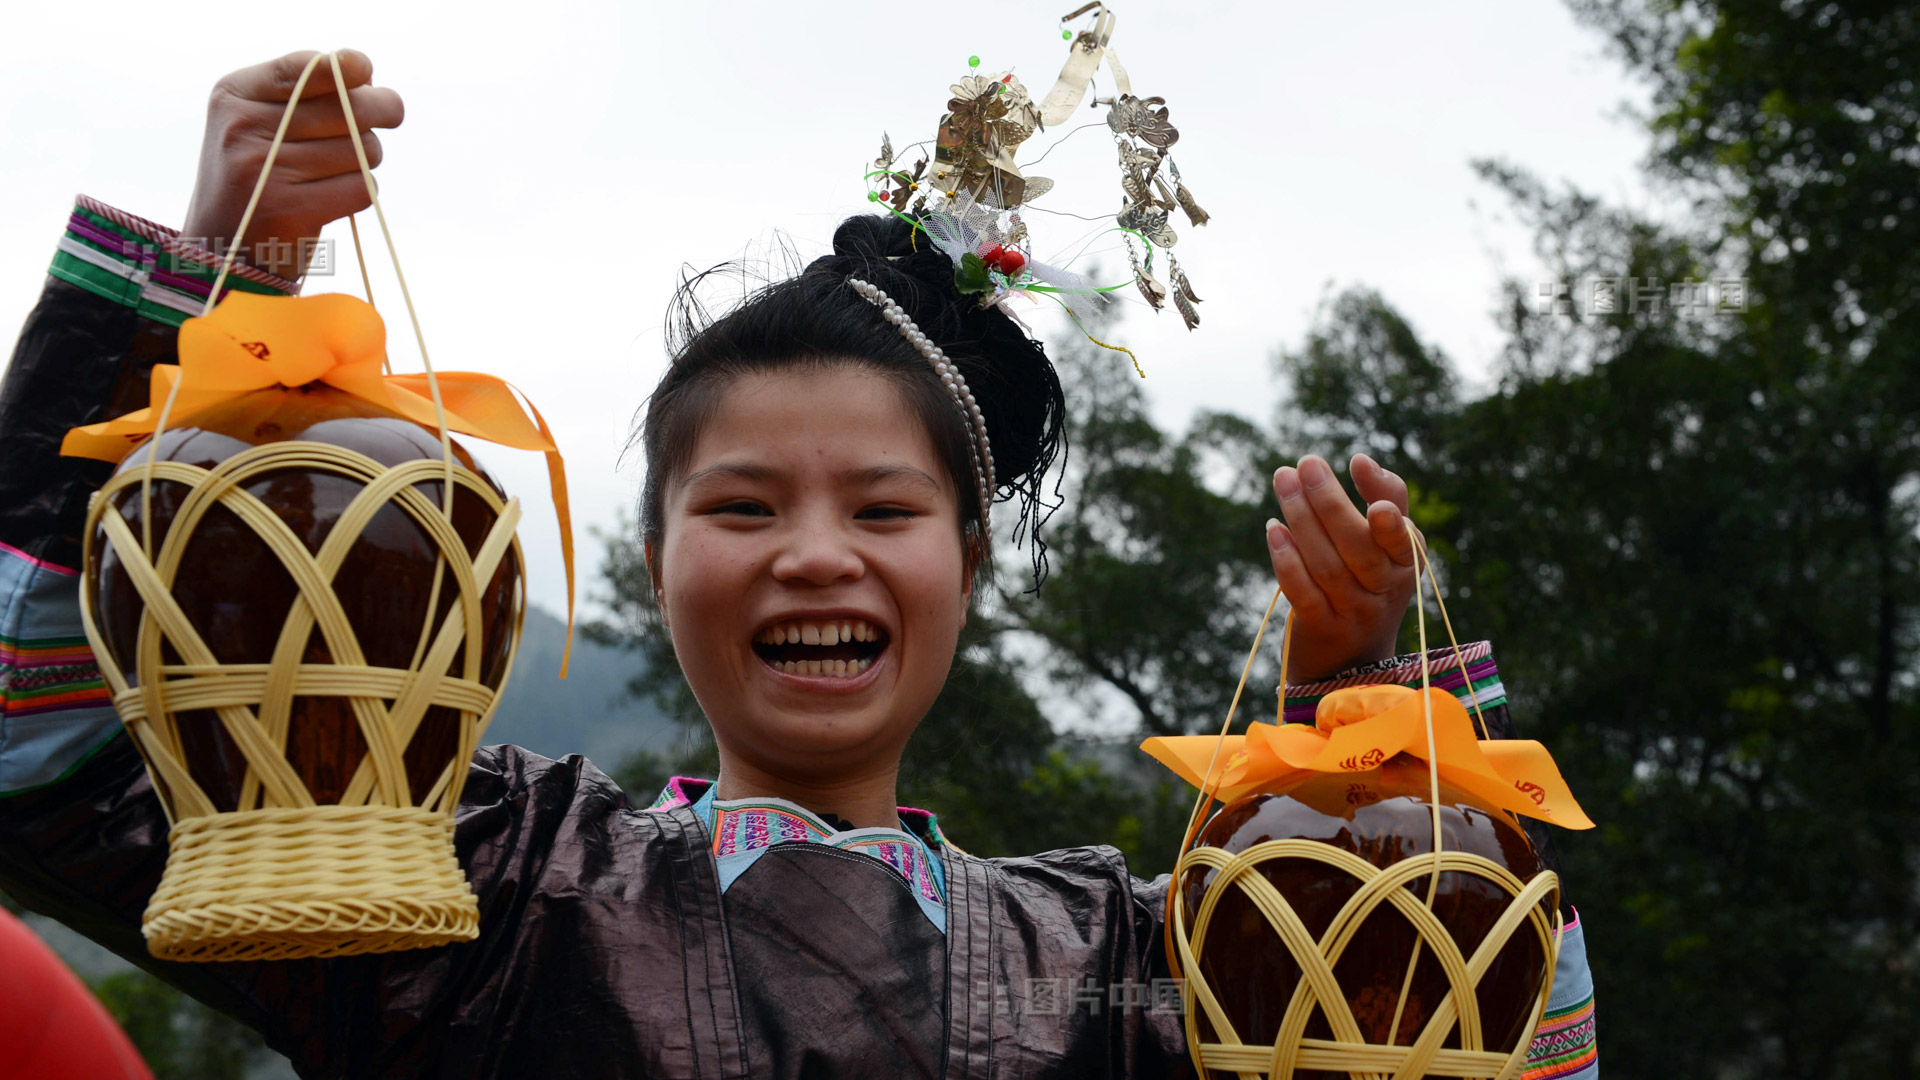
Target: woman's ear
point(971, 554)
point(653, 579)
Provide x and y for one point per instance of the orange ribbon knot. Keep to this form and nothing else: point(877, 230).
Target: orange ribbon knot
point(252, 342)
point(1358, 729)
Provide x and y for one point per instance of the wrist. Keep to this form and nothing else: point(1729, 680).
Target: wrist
point(212, 230)
point(1312, 665)
point(1468, 673)
point(282, 259)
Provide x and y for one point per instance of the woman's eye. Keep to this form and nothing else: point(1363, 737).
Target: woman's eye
point(886, 513)
point(747, 509)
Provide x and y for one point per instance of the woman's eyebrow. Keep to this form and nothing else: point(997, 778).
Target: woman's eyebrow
point(873, 474)
point(877, 473)
point(735, 470)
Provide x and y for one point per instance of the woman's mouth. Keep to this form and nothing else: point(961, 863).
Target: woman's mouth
point(833, 648)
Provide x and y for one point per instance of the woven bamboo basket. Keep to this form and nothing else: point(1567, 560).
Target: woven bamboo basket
point(274, 854)
point(286, 876)
point(1318, 991)
point(1378, 893)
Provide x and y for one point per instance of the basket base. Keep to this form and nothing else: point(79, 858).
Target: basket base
point(285, 884)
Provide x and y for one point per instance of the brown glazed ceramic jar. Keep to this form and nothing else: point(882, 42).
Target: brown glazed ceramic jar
point(237, 595)
point(1383, 816)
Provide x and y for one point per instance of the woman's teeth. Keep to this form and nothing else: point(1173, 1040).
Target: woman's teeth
point(831, 648)
point(818, 633)
point(840, 668)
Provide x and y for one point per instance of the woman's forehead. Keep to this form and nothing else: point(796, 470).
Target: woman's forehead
point(842, 421)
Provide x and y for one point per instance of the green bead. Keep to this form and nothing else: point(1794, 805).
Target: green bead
point(1066, 35)
point(973, 61)
point(873, 196)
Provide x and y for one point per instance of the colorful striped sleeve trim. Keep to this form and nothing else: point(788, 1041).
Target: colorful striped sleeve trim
point(55, 711)
point(1480, 685)
point(1565, 1045)
point(145, 266)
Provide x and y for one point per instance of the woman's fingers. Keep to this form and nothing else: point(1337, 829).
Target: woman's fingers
point(1299, 490)
point(373, 107)
point(1309, 601)
point(1388, 527)
point(274, 80)
point(1386, 496)
point(319, 159)
point(1347, 528)
point(1336, 541)
point(1376, 483)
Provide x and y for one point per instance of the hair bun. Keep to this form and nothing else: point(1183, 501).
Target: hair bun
point(870, 244)
point(873, 236)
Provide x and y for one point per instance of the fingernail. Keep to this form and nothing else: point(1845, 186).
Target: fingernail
point(1276, 536)
point(1286, 482)
point(1315, 472)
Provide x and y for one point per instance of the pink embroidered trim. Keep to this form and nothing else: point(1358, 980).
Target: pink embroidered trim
point(41, 563)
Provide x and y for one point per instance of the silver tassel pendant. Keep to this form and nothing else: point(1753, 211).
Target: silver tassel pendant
point(1195, 213)
point(1183, 295)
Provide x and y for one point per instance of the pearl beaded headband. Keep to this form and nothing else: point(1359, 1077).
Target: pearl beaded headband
point(956, 385)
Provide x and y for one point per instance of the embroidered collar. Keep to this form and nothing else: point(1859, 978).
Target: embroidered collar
point(743, 830)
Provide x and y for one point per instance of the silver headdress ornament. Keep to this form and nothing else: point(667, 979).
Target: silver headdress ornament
point(967, 199)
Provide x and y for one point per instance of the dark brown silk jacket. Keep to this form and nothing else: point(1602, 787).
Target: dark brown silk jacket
point(606, 949)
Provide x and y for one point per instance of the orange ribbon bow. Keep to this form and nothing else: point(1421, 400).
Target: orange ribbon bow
point(1358, 729)
point(252, 342)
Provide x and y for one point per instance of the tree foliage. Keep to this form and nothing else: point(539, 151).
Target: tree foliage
point(1693, 537)
point(1162, 573)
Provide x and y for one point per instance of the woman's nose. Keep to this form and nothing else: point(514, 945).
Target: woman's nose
point(818, 552)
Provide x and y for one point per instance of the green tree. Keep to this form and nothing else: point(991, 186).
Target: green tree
point(1161, 575)
point(1694, 537)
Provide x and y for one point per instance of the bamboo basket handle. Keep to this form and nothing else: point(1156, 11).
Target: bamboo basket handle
point(233, 249)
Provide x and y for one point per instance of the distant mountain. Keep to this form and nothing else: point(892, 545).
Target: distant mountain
point(587, 713)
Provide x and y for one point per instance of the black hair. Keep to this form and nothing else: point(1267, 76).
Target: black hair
point(814, 318)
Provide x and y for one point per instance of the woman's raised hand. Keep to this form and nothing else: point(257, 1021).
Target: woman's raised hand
point(316, 177)
point(1348, 577)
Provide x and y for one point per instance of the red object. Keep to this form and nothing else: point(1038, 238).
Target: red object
point(1004, 259)
point(51, 1025)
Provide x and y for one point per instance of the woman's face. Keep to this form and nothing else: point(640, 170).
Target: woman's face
point(812, 572)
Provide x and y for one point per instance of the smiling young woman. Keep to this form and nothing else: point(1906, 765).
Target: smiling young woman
point(820, 462)
point(814, 502)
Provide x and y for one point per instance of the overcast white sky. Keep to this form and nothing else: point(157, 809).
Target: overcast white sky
point(562, 160)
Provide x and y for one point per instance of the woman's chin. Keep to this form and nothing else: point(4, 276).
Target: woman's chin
point(810, 715)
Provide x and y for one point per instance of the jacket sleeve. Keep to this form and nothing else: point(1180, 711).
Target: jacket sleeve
point(116, 292)
point(83, 839)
